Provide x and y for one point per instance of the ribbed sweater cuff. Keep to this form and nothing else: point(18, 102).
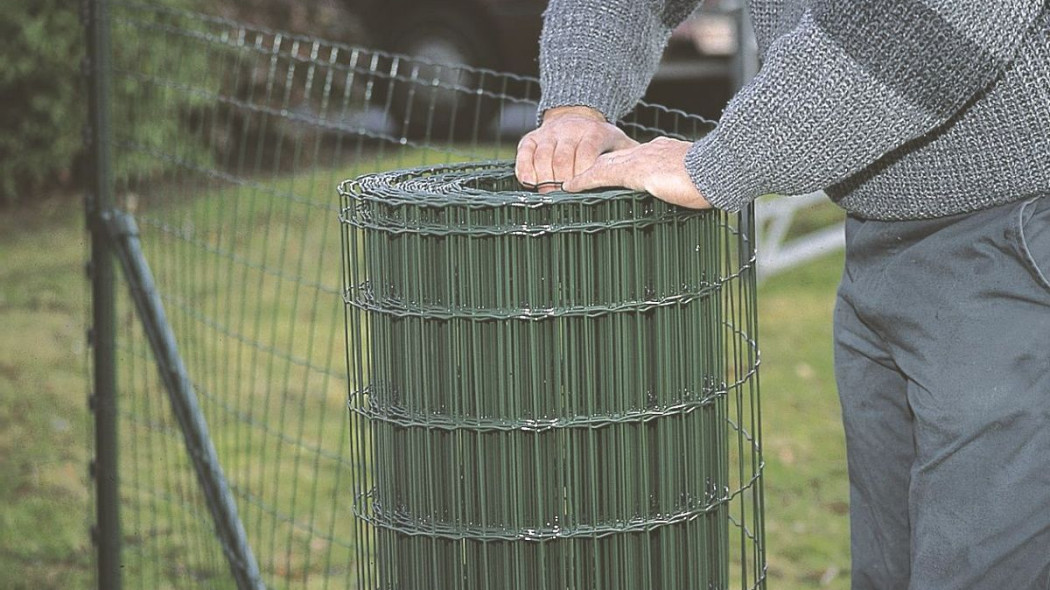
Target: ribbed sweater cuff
point(719, 175)
point(563, 87)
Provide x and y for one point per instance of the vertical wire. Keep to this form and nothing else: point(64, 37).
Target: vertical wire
point(183, 266)
point(190, 282)
point(746, 239)
point(225, 240)
point(545, 454)
point(135, 413)
point(239, 467)
point(312, 336)
point(174, 515)
point(308, 207)
point(353, 349)
point(201, 365)
point(285, 387)
point(719, 426)
point(506, 389)
point(251, 408)
point(274, 199)
point(600, 490)
point(732, 310)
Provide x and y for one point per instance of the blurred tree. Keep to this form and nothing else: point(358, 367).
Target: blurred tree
point(42, 90)
point(334, 20)
point(41, 45)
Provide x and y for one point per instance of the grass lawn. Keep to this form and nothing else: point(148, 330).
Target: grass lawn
point(45, 431)
point(806, 484)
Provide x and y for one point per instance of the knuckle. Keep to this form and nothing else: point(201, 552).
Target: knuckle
point(591, 142)
point(564, 148)
point(563, 162)
point(543, 153)
point(544, 147)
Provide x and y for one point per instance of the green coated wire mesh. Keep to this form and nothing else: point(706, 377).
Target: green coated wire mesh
point(542, 384)
point(229, 142)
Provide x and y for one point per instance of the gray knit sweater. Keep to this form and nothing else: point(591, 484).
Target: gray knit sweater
point(899, 109)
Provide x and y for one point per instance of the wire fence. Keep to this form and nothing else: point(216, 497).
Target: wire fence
point(238, 217)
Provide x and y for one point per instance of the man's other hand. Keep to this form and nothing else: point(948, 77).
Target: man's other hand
point(656, 167)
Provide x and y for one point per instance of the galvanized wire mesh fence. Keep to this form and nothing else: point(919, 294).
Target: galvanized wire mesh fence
point(238, 220)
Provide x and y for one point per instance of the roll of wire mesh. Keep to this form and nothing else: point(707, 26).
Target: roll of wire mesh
point(539, 385)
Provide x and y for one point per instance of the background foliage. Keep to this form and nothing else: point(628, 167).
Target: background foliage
point(41, 48)
point(45, 96)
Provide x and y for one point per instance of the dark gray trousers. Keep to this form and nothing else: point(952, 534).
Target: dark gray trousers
point(942, 355)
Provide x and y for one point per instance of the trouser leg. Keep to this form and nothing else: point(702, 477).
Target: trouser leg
point(963, 307)
point(880, 452)
point(980, 388)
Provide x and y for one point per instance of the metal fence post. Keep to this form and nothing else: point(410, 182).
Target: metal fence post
point(102, 334)
point(124, 235)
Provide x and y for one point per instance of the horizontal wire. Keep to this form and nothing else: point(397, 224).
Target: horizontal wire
point(366, 301)
point(370, 511)
point(404, 419)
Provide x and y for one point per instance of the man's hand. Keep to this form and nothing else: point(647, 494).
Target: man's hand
point(657, 167)
point(577, 149)
point(568, 142)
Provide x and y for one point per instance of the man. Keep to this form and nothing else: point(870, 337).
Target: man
point(929, 122)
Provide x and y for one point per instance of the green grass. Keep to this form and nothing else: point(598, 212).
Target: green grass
point(806, 484)
point(45, 429)
point(44, 425)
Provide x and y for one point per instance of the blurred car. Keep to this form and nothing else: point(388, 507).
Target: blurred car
point(696, 73)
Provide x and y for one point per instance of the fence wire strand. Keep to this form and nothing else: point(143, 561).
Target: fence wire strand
point(240, 222)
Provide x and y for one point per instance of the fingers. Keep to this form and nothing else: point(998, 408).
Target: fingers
point(607, 171)
point(545, 162)
point(564, 146)
point(563, 159)
point(543, 165)
point(523, 167)
point(657, 167)
point(536, 162)
point(587, 152)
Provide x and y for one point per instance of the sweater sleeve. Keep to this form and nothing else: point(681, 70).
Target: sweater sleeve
point(852, 81)
point(602, 53)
